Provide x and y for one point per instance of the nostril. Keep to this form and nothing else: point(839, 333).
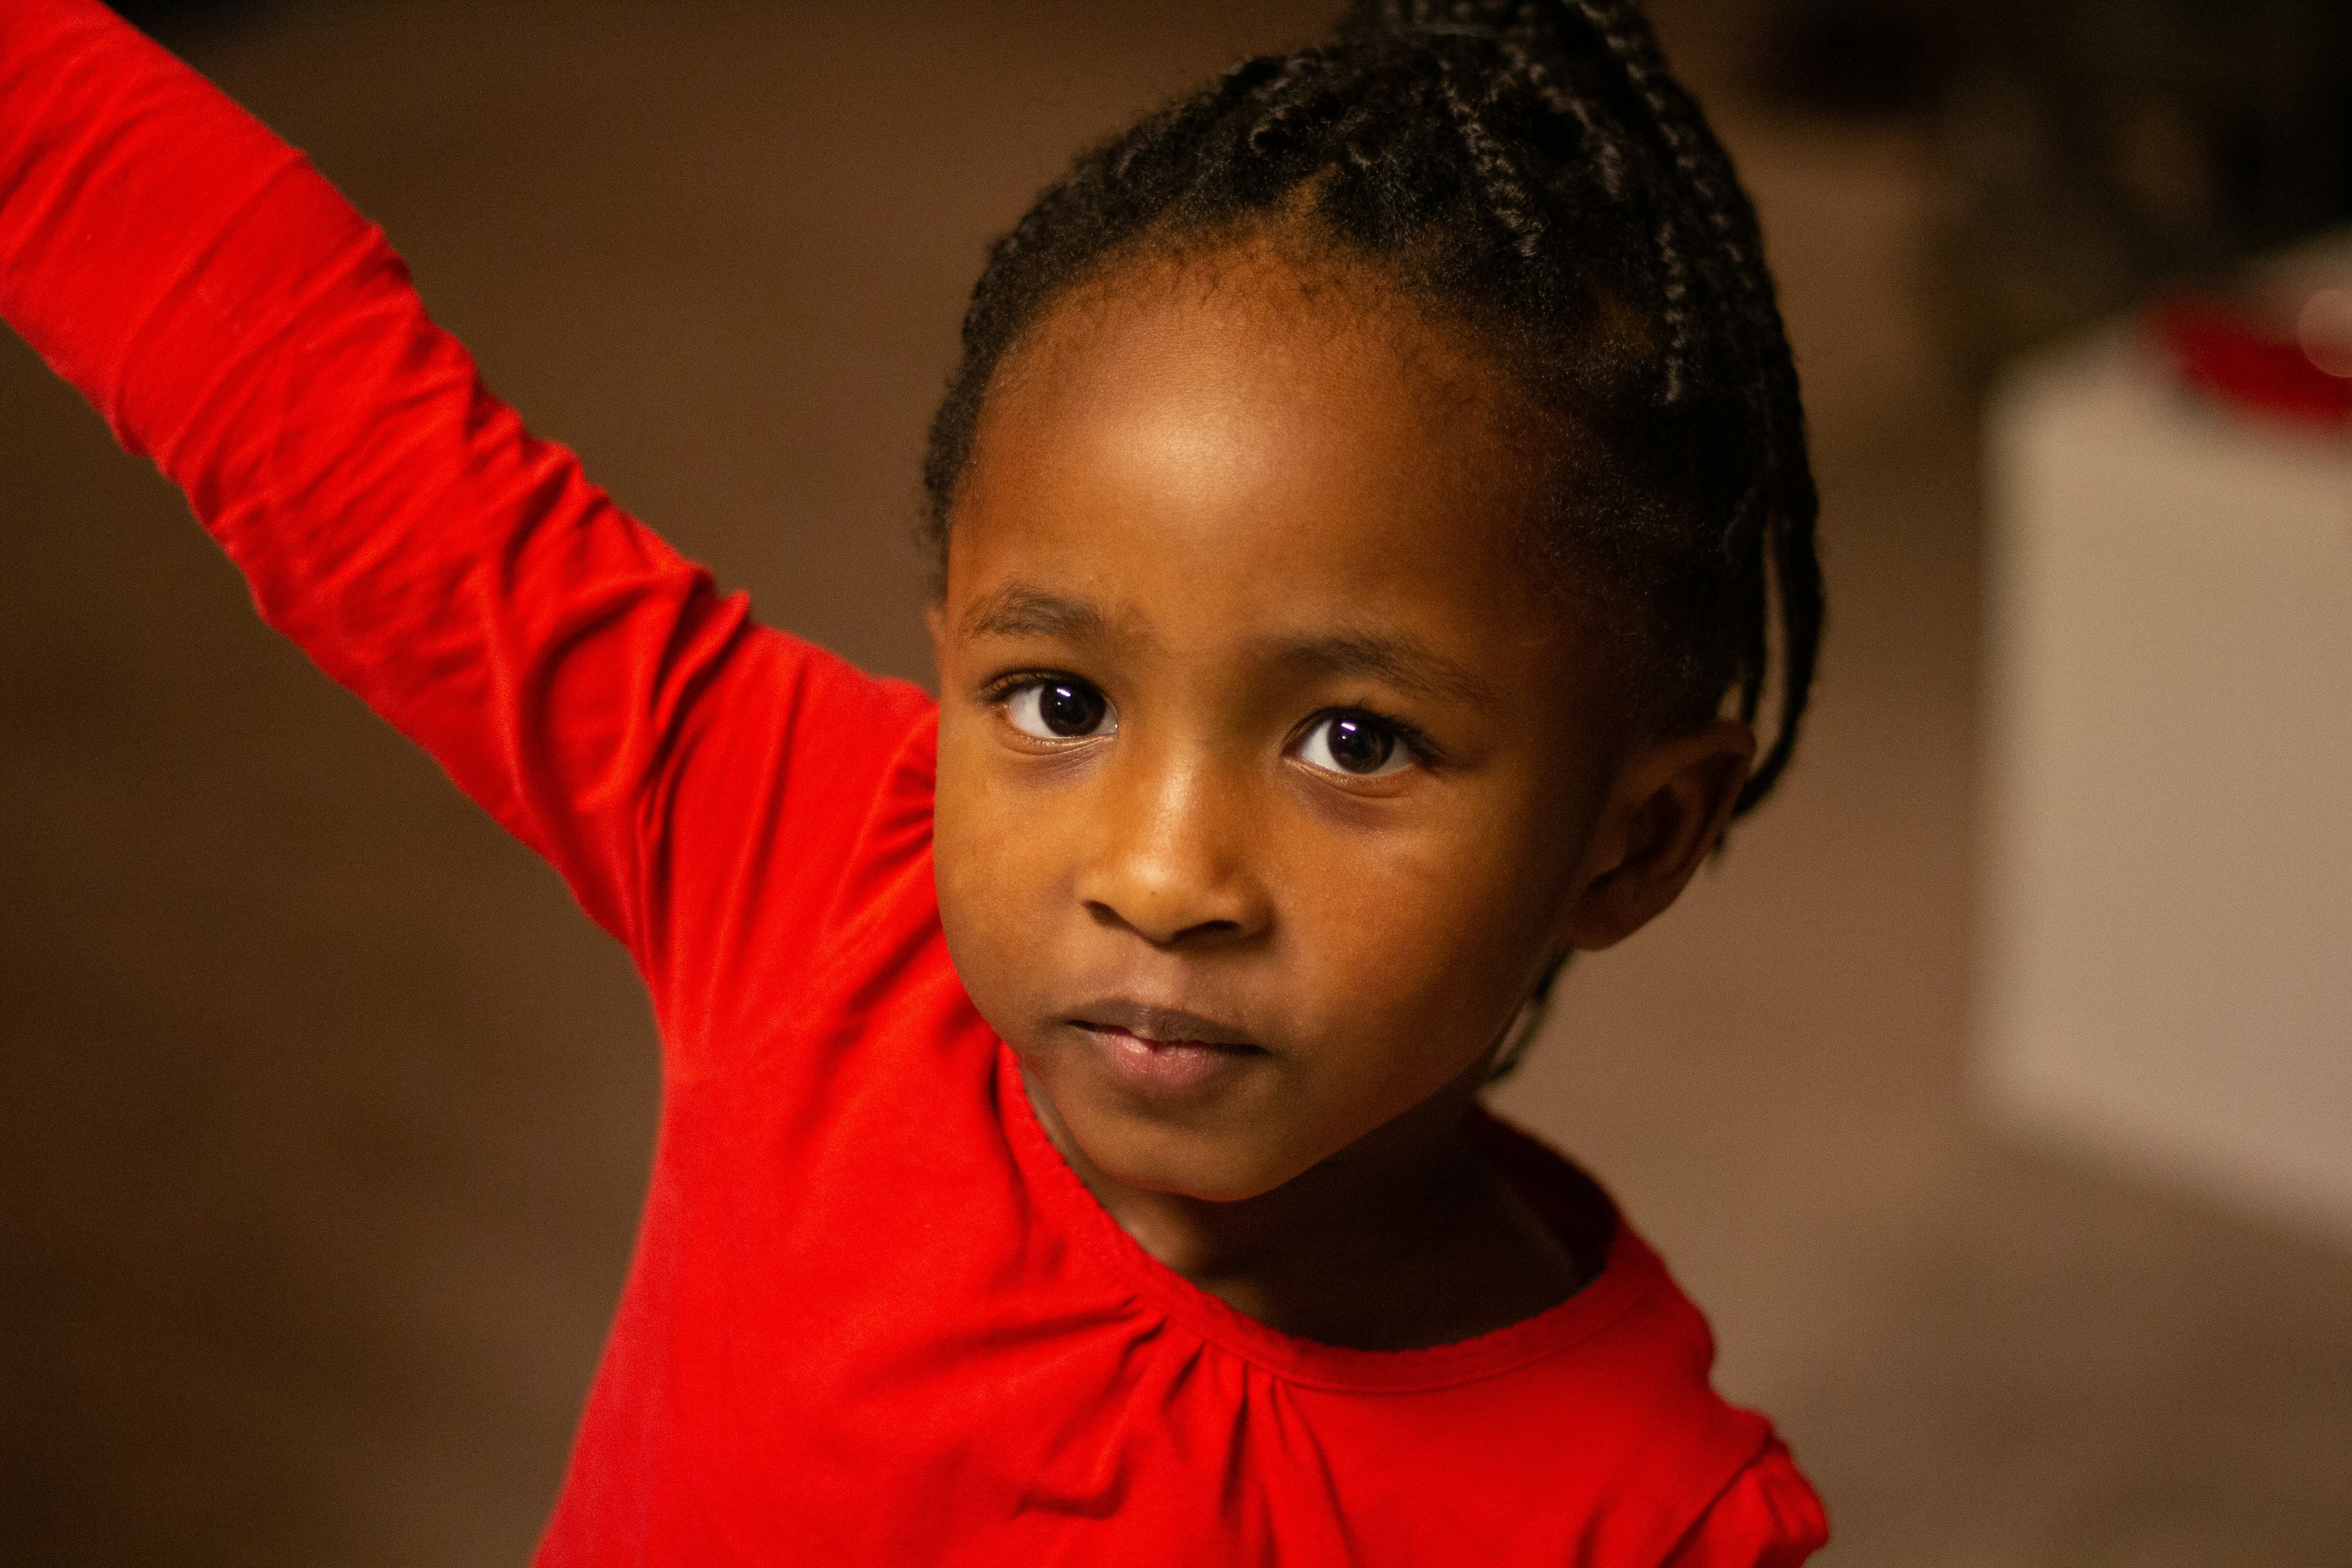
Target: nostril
point(1209, 928)
point(1198, 930)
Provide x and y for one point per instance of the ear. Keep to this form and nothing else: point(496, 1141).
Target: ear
point(1664, 816)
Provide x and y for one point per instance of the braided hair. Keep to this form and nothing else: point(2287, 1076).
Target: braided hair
point(1528, 169)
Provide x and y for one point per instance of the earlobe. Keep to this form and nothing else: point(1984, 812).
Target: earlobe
point(1672, 801)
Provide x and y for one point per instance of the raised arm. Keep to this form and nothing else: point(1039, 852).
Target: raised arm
point(233, 317)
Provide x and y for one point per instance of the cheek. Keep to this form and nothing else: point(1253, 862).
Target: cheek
point(993, 865)
point(961, 844)
point(1413, 954)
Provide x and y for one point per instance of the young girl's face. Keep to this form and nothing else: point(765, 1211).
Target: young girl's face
point(1269, 774)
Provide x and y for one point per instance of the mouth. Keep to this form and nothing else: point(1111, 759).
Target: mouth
point(1164, 1050)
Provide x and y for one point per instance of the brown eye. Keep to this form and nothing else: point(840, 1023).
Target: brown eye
point(1058, 709)
point(1356, 744)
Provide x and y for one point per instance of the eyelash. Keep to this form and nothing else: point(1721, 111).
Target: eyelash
point(1411, 736)
point(1003, 686)
point(996, 689)
point(1006, 690)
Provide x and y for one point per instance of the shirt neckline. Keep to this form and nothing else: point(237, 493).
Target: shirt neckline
point(1628, 1274)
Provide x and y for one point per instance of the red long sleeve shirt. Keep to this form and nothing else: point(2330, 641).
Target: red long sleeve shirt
point(873, 1317)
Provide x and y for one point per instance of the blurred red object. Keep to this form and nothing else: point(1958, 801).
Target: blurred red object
point(2303, 373)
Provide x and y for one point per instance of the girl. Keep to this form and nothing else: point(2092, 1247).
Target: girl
point(1360, 511)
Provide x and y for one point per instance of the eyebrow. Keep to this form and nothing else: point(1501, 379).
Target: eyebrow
point(1395, 661)
point(1019, 610)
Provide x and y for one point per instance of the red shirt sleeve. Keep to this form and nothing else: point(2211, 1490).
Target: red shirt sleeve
point(232, 317)
point(1769, 1517)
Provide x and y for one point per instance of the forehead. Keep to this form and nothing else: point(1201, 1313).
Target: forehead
point(1299, 436)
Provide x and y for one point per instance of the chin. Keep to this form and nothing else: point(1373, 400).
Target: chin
point(1190, 1164)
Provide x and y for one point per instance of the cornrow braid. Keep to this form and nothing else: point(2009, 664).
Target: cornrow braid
point(1787, 566)
point(1532, 169)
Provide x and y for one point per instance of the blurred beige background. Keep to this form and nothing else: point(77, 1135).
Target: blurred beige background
point(325, 1116)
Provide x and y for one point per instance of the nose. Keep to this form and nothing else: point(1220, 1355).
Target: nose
point(1170, 854)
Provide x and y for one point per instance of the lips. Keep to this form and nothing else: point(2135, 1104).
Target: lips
point(1159, 1051)
point(1160, 1025)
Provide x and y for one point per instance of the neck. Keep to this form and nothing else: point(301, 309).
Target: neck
point(1405, 1238)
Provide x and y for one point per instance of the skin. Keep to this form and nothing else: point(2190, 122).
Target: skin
point(1242, 498)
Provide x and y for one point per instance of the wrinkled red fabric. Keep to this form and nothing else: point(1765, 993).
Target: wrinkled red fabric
point(873, 1317)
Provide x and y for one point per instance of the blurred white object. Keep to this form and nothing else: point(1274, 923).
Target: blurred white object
point(2165, 955)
